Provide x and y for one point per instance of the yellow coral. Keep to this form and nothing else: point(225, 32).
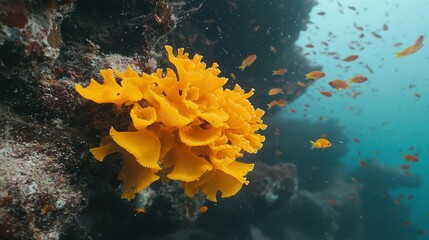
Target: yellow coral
point(185, 126)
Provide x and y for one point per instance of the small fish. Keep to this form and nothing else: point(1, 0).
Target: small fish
point(376, 35)
point(339, 84)
point(397, 44)
point(411, 49)
point(322, 13)
point(273, 50)
point(357, 27)
point(320, 143)
point(355, 94)
point(363, 163)
point(315, 75)
point(385, 27)
point(309, 46)
point(405, 224)
point(350, 58)
point(332, 202)
point(292, 110)
point(280, 103)
point(410, 158)
point(274, 91)
point(272, 104)
point(277, 132)
point(256, 28)
point(369, 68)
point(358, 79)
point(203, 209)
point(280, 72)
point(301, 84)
point(356, 140)
point(247, 62)
point(140, 210)
point(326, 94)
point(404, 167)
point(233, 76)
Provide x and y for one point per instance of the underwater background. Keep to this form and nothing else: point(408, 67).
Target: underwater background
point(369, 183)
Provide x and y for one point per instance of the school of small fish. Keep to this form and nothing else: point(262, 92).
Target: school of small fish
point(348, 85)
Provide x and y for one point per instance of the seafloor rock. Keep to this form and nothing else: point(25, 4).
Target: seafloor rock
point(269, 190)
point(39, 195)
point(30, 33)
point(380, 210)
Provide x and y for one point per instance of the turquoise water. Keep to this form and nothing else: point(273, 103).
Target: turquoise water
point(392, 113)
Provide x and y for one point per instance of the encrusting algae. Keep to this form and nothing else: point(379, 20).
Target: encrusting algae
point(185, 127)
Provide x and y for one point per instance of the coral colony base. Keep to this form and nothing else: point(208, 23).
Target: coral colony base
point(185, 127)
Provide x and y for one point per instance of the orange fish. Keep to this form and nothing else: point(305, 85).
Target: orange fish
point(413, 48)
point(273, 50)
point(326, 94)
point(247, 62)
point(404, 167)
point(363, 163)
point(274, 91)
point(339, 84)
point(292, 110)
point(140, 210)
point(350, 58)
point(272, 104)
point(358, 79)
point(280, 72)
point(315, 75)
point(410, 158)
point(301, 84)
point(203, 209)
point(281, 103)
point(320, 143)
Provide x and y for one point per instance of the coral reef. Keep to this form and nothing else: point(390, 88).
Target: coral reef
point(180, 119)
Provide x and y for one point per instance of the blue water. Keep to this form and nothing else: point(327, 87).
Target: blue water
point(387, 117)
